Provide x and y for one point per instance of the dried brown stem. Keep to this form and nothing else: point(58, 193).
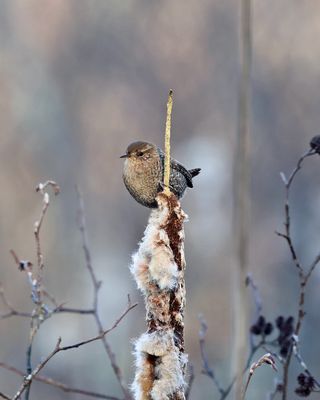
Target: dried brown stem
point(265, 359)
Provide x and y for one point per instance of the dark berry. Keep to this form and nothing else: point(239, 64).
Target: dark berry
point(268, 328)
point(303, 391)
point(255, 330)
point(301, 378)
point(310, 382)
point(261, 321)
point(315, 143)
point(289, 320)
point(284, 350)
point(279, 321)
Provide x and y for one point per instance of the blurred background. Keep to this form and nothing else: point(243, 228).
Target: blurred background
point(80, 80)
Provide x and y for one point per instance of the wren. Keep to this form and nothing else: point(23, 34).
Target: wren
point(143, 173)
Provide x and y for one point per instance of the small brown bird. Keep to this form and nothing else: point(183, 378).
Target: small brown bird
point(143, 173)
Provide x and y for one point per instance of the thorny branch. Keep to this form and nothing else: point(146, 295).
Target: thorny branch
point(304, 273)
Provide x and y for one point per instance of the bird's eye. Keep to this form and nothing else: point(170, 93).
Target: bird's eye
point(139, 153)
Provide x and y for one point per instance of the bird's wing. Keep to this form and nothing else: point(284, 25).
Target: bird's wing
point(180, 168)
point(174, 164)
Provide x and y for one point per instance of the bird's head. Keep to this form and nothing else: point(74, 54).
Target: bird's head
point(140, 152)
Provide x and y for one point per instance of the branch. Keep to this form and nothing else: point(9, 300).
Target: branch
point(190, 381)
point(28, 379)
point(206, 369)
point(303, 276)
point(96, 286)
point(265, 359)
point(3, 396)
point(59, 385)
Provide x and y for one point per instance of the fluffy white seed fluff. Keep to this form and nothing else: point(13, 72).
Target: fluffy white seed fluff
point(168, 369)
point(154, 260)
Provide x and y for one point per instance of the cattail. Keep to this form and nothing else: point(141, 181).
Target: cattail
point(158, 268)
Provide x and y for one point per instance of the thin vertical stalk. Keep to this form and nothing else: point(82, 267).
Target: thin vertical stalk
point(242, 195)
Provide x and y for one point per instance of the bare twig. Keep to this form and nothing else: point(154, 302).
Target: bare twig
point(276, 389)
point(37, 226)
point(206, 369)
point(96, 286)
point(256, 295)
point(40, 311)
point(58, 348)
point(28, 379)
point(304, 276)
point(3, 396)
point(300, 360)
point(190, 381)
point(12, 311)
point(265, 359)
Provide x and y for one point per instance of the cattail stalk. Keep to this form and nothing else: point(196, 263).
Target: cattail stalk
point(158, 268)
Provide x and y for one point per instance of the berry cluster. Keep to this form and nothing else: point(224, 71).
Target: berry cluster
point(261, 327)
point(286, 329)
point(315, 143)
point(306, 385)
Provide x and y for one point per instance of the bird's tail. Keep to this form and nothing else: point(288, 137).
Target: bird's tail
point(195, 171)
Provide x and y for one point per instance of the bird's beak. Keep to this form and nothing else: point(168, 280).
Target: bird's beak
point(124, 156)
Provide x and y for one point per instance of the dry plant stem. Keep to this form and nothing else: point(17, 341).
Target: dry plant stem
point(36, 283)
point(242, 195)
point(302, 363)
point(12, 311)
point(190, 381)
point(59, 385)
point(265, 359)
point(58, 348)
point(304, 275)
point(3, 396)
point(167, 144)
point(96, 286)
point(208, 371)
point(256, 295)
